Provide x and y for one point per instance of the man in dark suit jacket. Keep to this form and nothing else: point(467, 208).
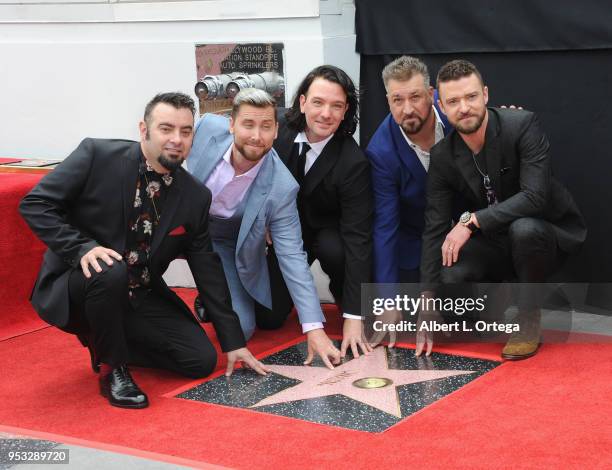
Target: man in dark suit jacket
point(522, 222)
point(114, 214)
point(335, 198)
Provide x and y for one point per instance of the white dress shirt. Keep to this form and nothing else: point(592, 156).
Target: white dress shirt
point(315, 149)
point(439, 135)
point(311, 156)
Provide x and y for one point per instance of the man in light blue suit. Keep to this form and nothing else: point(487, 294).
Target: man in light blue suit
point(253, 194)
point(399, 154)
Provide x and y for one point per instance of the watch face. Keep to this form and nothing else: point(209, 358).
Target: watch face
point(465, 217)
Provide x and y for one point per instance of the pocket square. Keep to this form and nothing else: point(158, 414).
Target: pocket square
point(180, 230)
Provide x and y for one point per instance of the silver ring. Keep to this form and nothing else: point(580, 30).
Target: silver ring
point(450, 248)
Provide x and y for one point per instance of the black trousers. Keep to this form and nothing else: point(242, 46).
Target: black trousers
point(272, 319)
point(528, 252)
point(326, 246)
point(155, 333)
point(410, 276)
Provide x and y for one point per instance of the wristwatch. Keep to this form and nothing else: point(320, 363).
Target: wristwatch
point(465, 221)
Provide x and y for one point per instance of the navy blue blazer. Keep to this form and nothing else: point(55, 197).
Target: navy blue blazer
point(399, 184)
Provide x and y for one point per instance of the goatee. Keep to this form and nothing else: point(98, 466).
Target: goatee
point(413, 124)
point(411, 129)
point(170, 164)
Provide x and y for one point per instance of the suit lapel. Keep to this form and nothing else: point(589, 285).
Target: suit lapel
point(255, 198)
point(322, 165)
point(170, 205)
point(210, 156)
point(128, 184)
point(465, 164)
point(407, 155)
point(284, 142)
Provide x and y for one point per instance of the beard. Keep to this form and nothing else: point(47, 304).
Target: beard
point(170, 163)
point(466, 128)
point(251, 156)
point(413, 124)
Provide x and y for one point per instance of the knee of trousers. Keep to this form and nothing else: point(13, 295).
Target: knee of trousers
point(244, 309)
point(248, 331)
point(273, 323)
point(330, 250)
point(455, 274)
point(201, 362)
point(528, 234)
point(247, 325)
point(332, 262)
point(113, 277)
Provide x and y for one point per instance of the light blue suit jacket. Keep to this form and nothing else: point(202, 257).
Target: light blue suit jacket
point(271, 203)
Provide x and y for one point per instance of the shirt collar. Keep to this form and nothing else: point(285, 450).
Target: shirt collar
point(438, 118)
point(252, 173)
point(439, 131)
point(316, 147)
point(166, 177)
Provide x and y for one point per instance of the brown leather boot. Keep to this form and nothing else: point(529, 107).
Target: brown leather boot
point(525, 342)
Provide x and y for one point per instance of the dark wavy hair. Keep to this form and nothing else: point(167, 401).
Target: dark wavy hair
point(296, 119)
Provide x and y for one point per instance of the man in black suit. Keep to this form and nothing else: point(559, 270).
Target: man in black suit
point(335, 199)
point(522, 222)
point(114, 214)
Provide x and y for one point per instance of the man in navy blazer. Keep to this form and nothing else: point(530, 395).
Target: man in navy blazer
point(399, 154)
point(254, 194)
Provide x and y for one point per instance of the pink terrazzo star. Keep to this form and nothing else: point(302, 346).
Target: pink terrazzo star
point(320, 381)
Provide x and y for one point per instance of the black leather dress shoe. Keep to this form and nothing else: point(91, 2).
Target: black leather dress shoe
point(95, 362)
point(200, 311)
point(121, 390)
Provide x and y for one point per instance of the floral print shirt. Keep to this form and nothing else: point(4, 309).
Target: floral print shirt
point(146, 211)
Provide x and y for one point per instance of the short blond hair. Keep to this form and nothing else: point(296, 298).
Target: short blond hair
point(254, 97)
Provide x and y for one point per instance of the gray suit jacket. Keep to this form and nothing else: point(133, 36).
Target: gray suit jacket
point(518, 163)
point(271, 204)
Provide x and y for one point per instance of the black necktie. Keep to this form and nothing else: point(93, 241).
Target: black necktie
point(301, 162)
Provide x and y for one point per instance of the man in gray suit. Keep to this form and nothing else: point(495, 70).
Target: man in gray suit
point(254, 194)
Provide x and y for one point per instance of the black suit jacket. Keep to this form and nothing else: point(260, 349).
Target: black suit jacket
point(86, 201)
point(337, 193)
point(518, 165)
